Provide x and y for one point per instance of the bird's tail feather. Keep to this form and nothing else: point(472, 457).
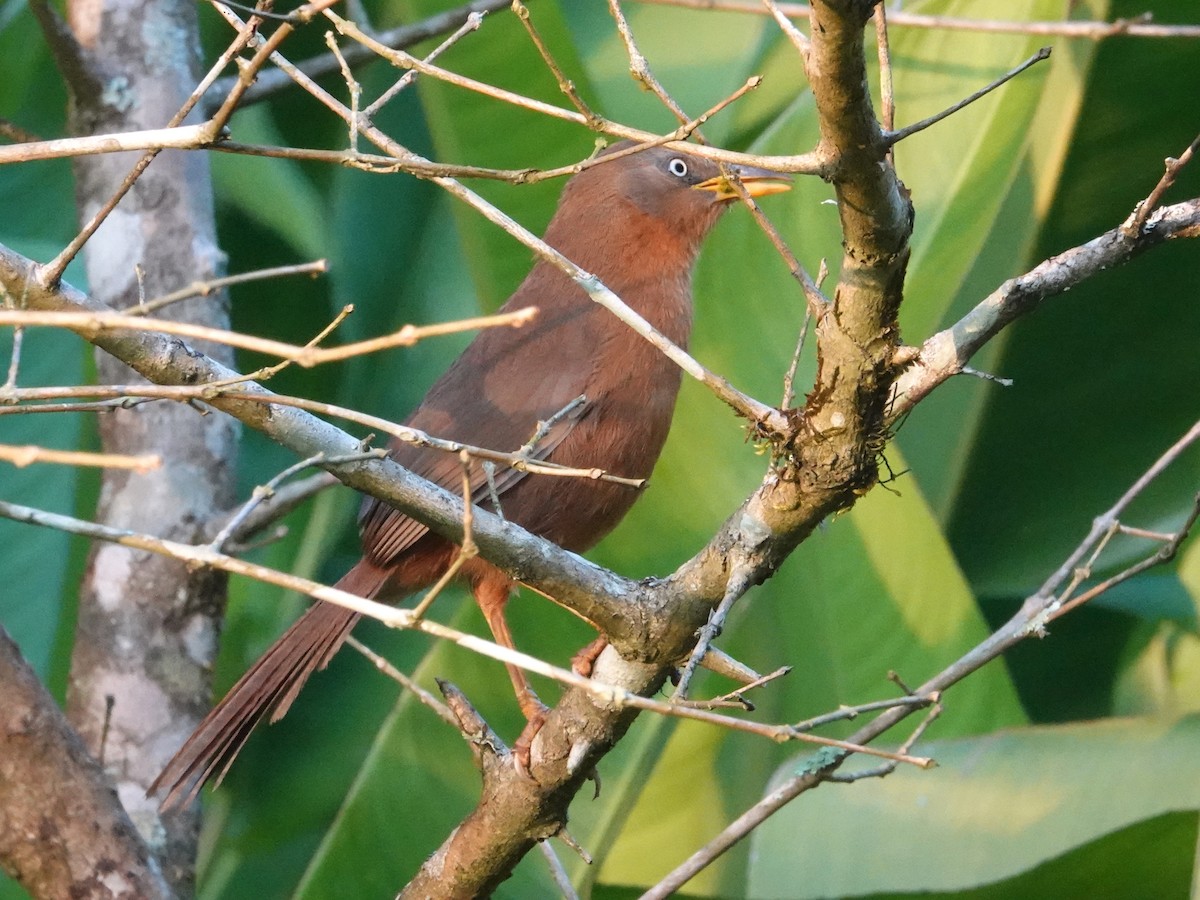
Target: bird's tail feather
point(270, 685)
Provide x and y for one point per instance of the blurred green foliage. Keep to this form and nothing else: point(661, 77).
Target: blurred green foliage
point(357, 785)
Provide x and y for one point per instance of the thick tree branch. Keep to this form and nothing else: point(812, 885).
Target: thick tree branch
point(64, 832)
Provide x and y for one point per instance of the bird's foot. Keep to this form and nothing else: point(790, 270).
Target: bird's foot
point(584, 661)
point(535, 712)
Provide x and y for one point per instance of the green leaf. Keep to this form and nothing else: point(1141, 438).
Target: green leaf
point(275, 193)
point(1099, 372)
point(996, 807)
point(1150, 856)
point(473, 129)
point(36, 598)
point(698, 71)
point(980, 181)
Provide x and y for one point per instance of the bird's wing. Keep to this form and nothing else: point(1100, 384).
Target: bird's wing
point(495, 395)
point(387, 532)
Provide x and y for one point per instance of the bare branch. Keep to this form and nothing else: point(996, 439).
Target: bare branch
point(640, 69)
point(887, 101)
point(180, 137)
point(945, 353)
point(564, 83)
point(305, 356)
point(443, 712)
point(472, 23)
point(1137, 220)
point(1140, 26)
point(30, 454)
point(795, 35)
point(272, 81)
point(205, 288)
point(894, 137)
point(267, 491)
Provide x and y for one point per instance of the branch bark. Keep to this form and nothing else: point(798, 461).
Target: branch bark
point(64, 832)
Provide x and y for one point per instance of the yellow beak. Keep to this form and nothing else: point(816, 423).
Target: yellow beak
point(757, 182)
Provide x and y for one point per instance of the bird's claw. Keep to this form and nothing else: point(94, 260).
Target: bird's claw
point(521, 749)
point(583, 662)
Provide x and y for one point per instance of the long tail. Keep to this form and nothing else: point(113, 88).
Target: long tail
point(271, 684)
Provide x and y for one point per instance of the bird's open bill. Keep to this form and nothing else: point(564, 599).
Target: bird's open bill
point(757, 182)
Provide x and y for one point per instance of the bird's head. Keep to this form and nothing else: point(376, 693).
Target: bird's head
point(683, 193)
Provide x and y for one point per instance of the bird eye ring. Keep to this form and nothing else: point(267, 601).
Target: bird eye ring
point(677, 167)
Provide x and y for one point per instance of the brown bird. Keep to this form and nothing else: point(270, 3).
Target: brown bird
point(637, 222)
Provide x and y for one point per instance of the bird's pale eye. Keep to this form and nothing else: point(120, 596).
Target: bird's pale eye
point(677, 167)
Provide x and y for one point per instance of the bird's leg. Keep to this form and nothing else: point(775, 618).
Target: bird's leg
point(492, 595)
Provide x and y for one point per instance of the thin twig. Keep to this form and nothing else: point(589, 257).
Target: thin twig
point(1140, 26)
point(640, 69)
point(423, 696)
point(891, 138)
point(181, 137)
point(285, 499)
point(887, 100)
point(267, 490)
point(986, 376)
point(798, 38)
point(1043, 602)
point(16, 133)
point(212, 285)
point(736, 587)
point(564, 83)
point(420, 438)
point(558, 871)
point(935, 710)
point(1167, 552)
point(29, 454)
point(352, 85)
point(887, 768)
point(815, 302)
point(14, 361)
point(467, 549)
point(305, 356)
point(1137, 219)
point(853, 712)
point(472, 23)
point(734, 699)
point(789, 379)
point(543, 428)
point(100, 406)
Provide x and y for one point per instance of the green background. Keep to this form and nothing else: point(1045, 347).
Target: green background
point(1070, 754)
